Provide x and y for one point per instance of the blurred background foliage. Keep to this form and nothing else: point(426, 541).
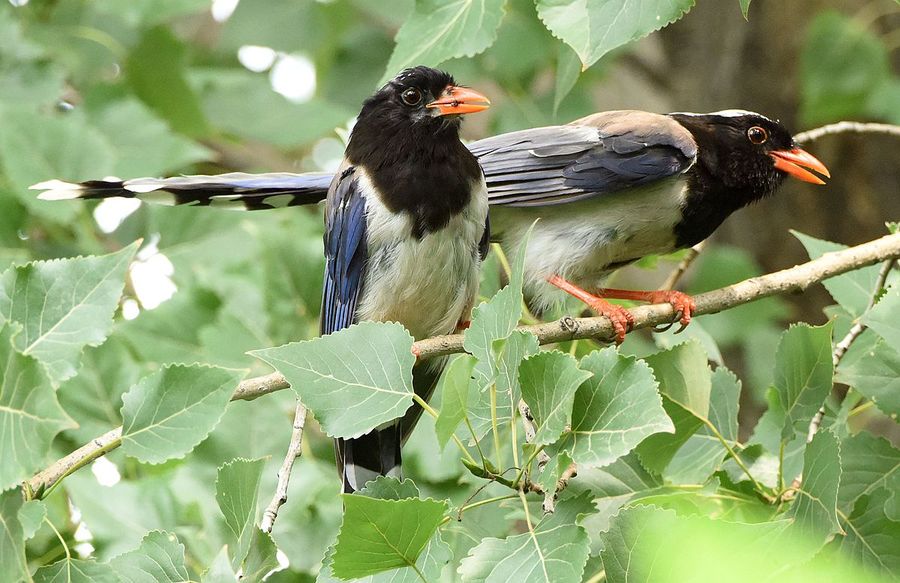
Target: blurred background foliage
point(95, 88)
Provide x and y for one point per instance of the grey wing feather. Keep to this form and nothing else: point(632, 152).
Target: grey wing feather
point(597, 155)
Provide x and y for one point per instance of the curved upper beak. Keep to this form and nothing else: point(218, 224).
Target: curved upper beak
point(795, 162)
point(459, 100)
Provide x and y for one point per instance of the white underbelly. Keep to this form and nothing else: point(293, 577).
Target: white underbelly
point(581, 241)
point(426, 284)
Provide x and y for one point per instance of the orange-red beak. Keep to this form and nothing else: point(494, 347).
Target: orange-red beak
point(460, 100)
point(795, 162)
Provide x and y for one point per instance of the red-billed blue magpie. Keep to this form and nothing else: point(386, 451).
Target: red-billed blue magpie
point(609, 189)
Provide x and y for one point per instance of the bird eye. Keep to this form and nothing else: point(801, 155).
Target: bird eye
point(757, 135)
point(411, 96)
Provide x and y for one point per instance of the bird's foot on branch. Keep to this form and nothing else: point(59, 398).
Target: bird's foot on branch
point(682, 303)
point(620, 318)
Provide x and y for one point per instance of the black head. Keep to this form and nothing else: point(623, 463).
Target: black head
point(419, 100)
point(747, 153)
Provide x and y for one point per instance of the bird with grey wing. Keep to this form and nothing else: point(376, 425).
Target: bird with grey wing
point(609, 188)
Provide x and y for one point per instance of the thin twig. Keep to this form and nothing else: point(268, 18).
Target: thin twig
point(795, 279)
point(840, 349)
point(676, 274)
point(284, 474)
point(549, 505)
point(845, 127)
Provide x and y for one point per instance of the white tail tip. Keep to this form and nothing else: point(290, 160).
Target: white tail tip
point(57, 190)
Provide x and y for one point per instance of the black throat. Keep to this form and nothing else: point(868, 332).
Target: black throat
point(421, 169)
point(721, 181)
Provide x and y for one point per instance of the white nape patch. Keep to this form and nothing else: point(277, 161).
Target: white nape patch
point(723, 113)
point(257, 58)
point(112, 212)
point(294, 76)
point(151, 275)
point(106, 472)
point(426, 284)
point(579, 241)
point(223, 9)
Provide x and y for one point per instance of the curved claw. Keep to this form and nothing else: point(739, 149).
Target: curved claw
point(665, 327)
point(620, 318)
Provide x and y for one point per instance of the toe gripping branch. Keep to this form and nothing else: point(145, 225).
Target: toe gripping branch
point(621, 319)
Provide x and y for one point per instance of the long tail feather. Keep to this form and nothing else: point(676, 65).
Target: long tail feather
point(235, 190)
point(376, 453)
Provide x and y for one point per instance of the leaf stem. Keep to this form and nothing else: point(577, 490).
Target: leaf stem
point(527, 464)
point(759, 487)
point(495, 425)
point(484, 502)
point(61, 539)
point(431, 411)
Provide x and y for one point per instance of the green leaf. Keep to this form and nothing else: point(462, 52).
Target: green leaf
point(63, 306)
point(30, 415)
point(159, 559)
point(568, 68)
point(237, 487)
point(350, 393)
point(144, 143)
point(13, 566)
point(438, 30)
point(595, 27)
point(871, 537)
point(261, 557)
point(508, 354)
point(632, 541)
point(220, 570)
point(389, 488)
point(379, 535)
point(814, 511)
point(852, 290)
point(614, 410)
point(684, 377)
point(549, 381)
point(867, 463)
point(167, 413)
point(496, 318)
point(803, 374)
point(36, 147)
point(555, 552)
point(745, 8)
point(454, 390)
point(883, 317)
point(873, 368)
point(842, 66)
point(702, 454)
point(430, 563)
point(155, 71)
point(31, 515)
point(685, 384)
point(76, 571)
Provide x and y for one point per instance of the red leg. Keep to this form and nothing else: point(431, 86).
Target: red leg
point(463, 325)
point(621, 319)
point(682, 303)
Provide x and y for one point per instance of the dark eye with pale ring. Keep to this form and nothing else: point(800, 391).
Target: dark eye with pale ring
point(757, 135)
point(411, 96)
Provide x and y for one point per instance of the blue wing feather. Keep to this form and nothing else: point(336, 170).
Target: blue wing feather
point(346, 255)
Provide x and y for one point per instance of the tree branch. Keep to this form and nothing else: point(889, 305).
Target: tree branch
point(795, 279)
point(284, 474)
point(676, 274)
point(847, 127)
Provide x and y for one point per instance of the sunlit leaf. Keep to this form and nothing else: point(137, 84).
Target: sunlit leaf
point(167, 413)
point(160, 558)
point(350, 392)
point(63, 306)
point(549, 381)
point(13, 566)
point(873, 368)
point(814, 511)
point(438, 30)
point(237, 486)
point(883, 317)
point(379, 535)
point(455, 384)
point(595, 27)
point(30, 415)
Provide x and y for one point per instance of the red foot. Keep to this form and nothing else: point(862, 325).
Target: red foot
point(416, 352)
point(463, 325)
point(619, 317)
point(682, 303)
